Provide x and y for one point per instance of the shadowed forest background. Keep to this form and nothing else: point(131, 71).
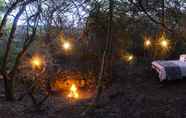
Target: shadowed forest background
point(90, 58)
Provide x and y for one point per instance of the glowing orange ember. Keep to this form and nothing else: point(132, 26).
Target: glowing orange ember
point(73, 92)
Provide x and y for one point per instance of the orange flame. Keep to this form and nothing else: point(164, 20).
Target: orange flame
point(73, 92)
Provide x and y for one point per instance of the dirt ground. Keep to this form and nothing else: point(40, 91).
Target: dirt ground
point(135, 93)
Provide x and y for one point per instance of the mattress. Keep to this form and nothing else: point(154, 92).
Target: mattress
point(170, 70)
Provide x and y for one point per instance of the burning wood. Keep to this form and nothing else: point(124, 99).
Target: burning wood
point(73, 92)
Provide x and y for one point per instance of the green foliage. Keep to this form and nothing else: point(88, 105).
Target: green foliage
point(1, 8)
point(2, 4)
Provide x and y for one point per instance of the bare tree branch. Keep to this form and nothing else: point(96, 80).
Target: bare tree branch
point(12, 32)
point(26, 46)
point(141, 7)
point(4, 20)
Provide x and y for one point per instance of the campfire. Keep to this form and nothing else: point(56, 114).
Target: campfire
point(71, 85)
point(73, 93)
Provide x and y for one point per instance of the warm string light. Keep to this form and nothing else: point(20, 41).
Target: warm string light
point(37, 62)
point(67, 45)
point(130, 58)
point(164, 43)
point(147, 42)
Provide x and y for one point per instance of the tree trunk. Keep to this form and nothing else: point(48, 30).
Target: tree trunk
point(8, 79)
point(107, 54)
point(9, 89)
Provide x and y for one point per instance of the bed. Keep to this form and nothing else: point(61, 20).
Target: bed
point(170, 70)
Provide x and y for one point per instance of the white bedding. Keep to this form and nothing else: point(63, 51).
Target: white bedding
point(161, 69)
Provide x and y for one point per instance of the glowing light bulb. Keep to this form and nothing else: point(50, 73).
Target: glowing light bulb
point(147, 43)
point(164, 43)
point(36, 62)
point(67, 45)
point(130, 58)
